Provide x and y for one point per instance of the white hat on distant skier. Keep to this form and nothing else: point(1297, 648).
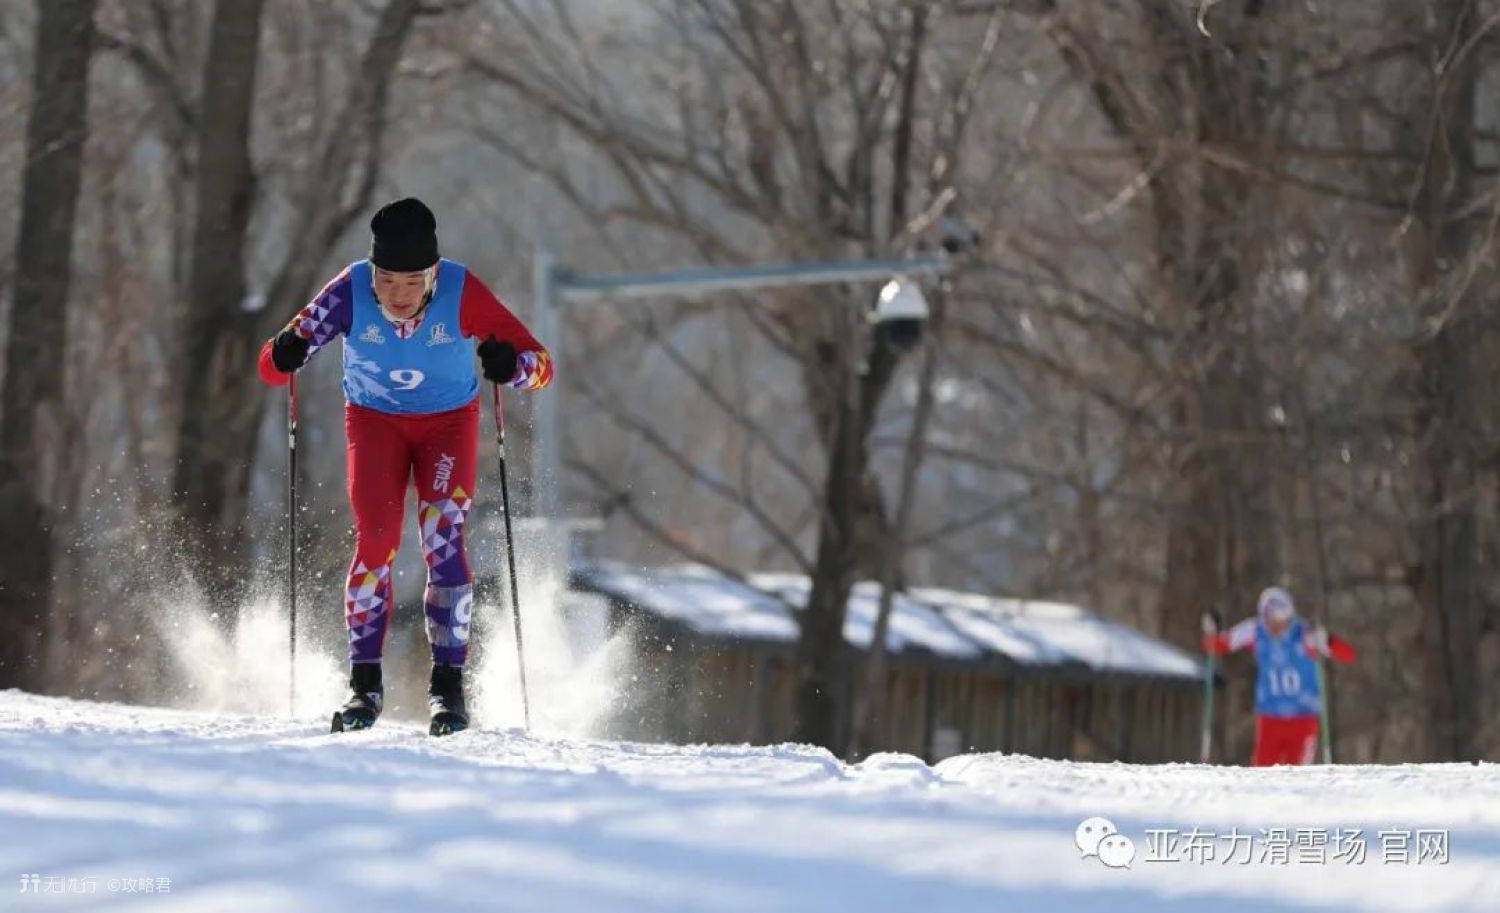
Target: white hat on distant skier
point(1275, 603)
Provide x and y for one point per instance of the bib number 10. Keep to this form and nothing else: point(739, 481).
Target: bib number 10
point(408, 378)
point(1285, 682)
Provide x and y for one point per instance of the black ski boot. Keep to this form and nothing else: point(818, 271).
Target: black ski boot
point(445, 699)
point(366, 701)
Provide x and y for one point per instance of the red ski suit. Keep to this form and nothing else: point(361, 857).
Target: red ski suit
point(388, 450)
point(1279, 739)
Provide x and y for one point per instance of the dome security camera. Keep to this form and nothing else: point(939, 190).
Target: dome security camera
point(900, 313)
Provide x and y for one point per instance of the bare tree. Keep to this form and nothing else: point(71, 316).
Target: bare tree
point(216, 293)
point(869, 700)
point(1170, 94)
point(815, 129)
point(1450, 232)
point(220, 406)
point(33, 384)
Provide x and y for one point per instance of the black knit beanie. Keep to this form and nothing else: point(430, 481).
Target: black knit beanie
point(404, 236)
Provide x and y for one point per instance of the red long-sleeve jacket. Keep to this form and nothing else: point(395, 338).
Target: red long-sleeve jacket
point(1242, 637)
point(481, 315)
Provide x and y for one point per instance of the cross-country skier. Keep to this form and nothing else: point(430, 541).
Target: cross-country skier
point(1287, 700)
point(407, 317)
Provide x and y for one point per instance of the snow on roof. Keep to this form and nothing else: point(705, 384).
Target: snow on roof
point(913, 624)
point(1049, 632)
point(696, 596)
point(956, 625)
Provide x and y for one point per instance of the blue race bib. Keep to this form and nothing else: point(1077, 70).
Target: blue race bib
point(1286, 681)
point(430, 371)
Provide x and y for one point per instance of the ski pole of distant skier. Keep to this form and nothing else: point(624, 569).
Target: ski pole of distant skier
point(1205, 744)
point(1325, 724)
point(510, 557)
point(1325, 729)
point(291, 542)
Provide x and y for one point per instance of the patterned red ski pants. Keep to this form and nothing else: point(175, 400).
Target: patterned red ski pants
point(385, 452)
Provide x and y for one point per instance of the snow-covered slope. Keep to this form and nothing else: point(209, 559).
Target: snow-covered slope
point(267, 814)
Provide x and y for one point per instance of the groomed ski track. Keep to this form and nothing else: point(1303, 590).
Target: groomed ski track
point(270, 814)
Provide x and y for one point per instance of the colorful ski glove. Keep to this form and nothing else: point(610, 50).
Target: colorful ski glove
point(288, 351)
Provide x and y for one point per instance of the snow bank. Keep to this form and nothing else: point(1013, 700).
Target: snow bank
point(271, 814)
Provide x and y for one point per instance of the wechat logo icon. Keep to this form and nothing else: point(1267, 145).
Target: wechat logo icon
point(1098, 837)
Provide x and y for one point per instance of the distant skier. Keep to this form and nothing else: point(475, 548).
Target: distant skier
point(1287, 700)
point(412, 409)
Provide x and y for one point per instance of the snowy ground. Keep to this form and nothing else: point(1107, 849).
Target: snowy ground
point(267, 814)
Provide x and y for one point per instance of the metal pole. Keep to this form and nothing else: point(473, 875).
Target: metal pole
point(510, 554)
point(291, 540)
point(696, 282)
point(545, 447)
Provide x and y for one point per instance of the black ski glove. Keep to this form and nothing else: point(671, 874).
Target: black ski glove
point(288, 351)
point(498, 360)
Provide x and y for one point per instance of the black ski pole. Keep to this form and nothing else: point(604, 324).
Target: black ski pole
point(510, 556)
point(291, 539)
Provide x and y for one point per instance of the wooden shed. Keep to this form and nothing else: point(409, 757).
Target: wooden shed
point(966, 672)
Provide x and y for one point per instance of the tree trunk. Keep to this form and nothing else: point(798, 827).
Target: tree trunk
point(1221, 533)
point(869, 698)
point(820, 648)
point(1447, 584)
point(211, 464)
point(1210, 93)
point(33, 388)
point(222, 402)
